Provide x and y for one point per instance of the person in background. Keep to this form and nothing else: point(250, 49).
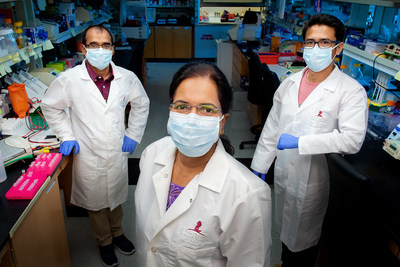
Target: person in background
point(195, 204)
point(317, 111)
point(96, 94)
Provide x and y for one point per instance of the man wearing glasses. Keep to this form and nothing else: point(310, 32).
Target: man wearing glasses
point(96, 94)
point(317, 111)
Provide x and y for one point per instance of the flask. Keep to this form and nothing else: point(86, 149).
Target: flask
point(3, 174)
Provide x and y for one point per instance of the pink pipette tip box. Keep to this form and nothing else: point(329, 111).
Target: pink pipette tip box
point(46, 162)
point(26, 185)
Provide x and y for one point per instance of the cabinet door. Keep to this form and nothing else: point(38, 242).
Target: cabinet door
point(163, 42)
point(149, 47)
point(41, 239)
point(182, 40)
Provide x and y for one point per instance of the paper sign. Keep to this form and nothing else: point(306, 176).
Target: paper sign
point(2, 70)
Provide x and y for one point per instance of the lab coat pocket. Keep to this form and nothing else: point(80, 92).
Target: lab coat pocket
point(186, 256)
point(85, 167)
point(320, 121)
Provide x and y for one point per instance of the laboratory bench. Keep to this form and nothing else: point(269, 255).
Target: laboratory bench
point(34, 230)
point(362, 223)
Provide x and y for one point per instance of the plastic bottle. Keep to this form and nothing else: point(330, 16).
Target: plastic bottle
point(343, 68)
point(7, 23)
point(3, 174)
point(337, 61)
point(353, 72)
point(20, 39)
point(390, 106)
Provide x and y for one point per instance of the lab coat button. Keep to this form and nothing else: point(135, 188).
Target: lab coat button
point(166, 175)
point(153, 249)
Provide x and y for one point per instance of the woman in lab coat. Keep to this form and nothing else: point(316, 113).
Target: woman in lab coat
point(332, 119)
point(195, 204)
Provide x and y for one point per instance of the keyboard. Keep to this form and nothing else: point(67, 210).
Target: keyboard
point(9, 152)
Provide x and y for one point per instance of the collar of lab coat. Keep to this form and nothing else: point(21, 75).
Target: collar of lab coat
point(114, 88)
point(214, 174)
point(329, 83)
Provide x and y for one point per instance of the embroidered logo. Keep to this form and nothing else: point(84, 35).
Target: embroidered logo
point(197, 228)
point(320, 114)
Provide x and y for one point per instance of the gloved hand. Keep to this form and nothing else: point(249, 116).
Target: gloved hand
point(67, 146)
point(261, 175)
point(129, 145)
point(287, 141)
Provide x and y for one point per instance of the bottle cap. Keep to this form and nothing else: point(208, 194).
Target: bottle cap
point(18, 30)
point(343, 66)
point(18, 23)
point(357, 65)
point(391, 103)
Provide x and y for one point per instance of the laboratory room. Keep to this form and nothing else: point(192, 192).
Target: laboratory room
point(199, 133)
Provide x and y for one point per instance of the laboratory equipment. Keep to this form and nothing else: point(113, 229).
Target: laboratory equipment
point(9, 38)
point(392, 143)
point(380, 87)
point(9, 152)
point(3, 174)
point(392, 147)
point(395, 134)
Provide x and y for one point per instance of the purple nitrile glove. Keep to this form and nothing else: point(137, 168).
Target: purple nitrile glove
point(129, 145)
point(67, 146)
point(261, 175)
point(287, 141)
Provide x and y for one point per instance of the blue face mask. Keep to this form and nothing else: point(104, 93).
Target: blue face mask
point(192, 134)
point(99, 58)
point(317, 58)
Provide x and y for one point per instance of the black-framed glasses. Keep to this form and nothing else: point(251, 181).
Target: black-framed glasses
point(203, 110)
point(97, 46)
point(323, 43)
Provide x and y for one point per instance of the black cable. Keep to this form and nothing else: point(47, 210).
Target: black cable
point(373, 76)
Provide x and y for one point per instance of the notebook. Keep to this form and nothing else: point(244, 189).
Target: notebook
point(9, 152)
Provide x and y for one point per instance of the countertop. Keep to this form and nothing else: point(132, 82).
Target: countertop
point(11, 210)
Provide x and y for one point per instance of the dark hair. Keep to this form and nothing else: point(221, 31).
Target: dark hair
point(98, 27)
point(328, 20)
point(206, 70)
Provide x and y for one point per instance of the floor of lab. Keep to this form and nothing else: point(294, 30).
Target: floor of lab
point(83, 246)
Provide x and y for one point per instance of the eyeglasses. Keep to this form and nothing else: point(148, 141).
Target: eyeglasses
point(323, 43)
point(203, 110)
point(97, 46)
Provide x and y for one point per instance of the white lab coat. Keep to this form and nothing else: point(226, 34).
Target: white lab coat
point(230, 206)
point(100, 169)
point(333, 119)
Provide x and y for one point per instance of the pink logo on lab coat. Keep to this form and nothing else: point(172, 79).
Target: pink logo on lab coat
point(197, 228)
point(320, 114)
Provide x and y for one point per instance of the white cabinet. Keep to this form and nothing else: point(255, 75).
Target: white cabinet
point(205, 37)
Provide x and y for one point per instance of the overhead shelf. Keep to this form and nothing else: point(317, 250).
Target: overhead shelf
point(25, 53)
point(72, 32)
point(381, 64)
